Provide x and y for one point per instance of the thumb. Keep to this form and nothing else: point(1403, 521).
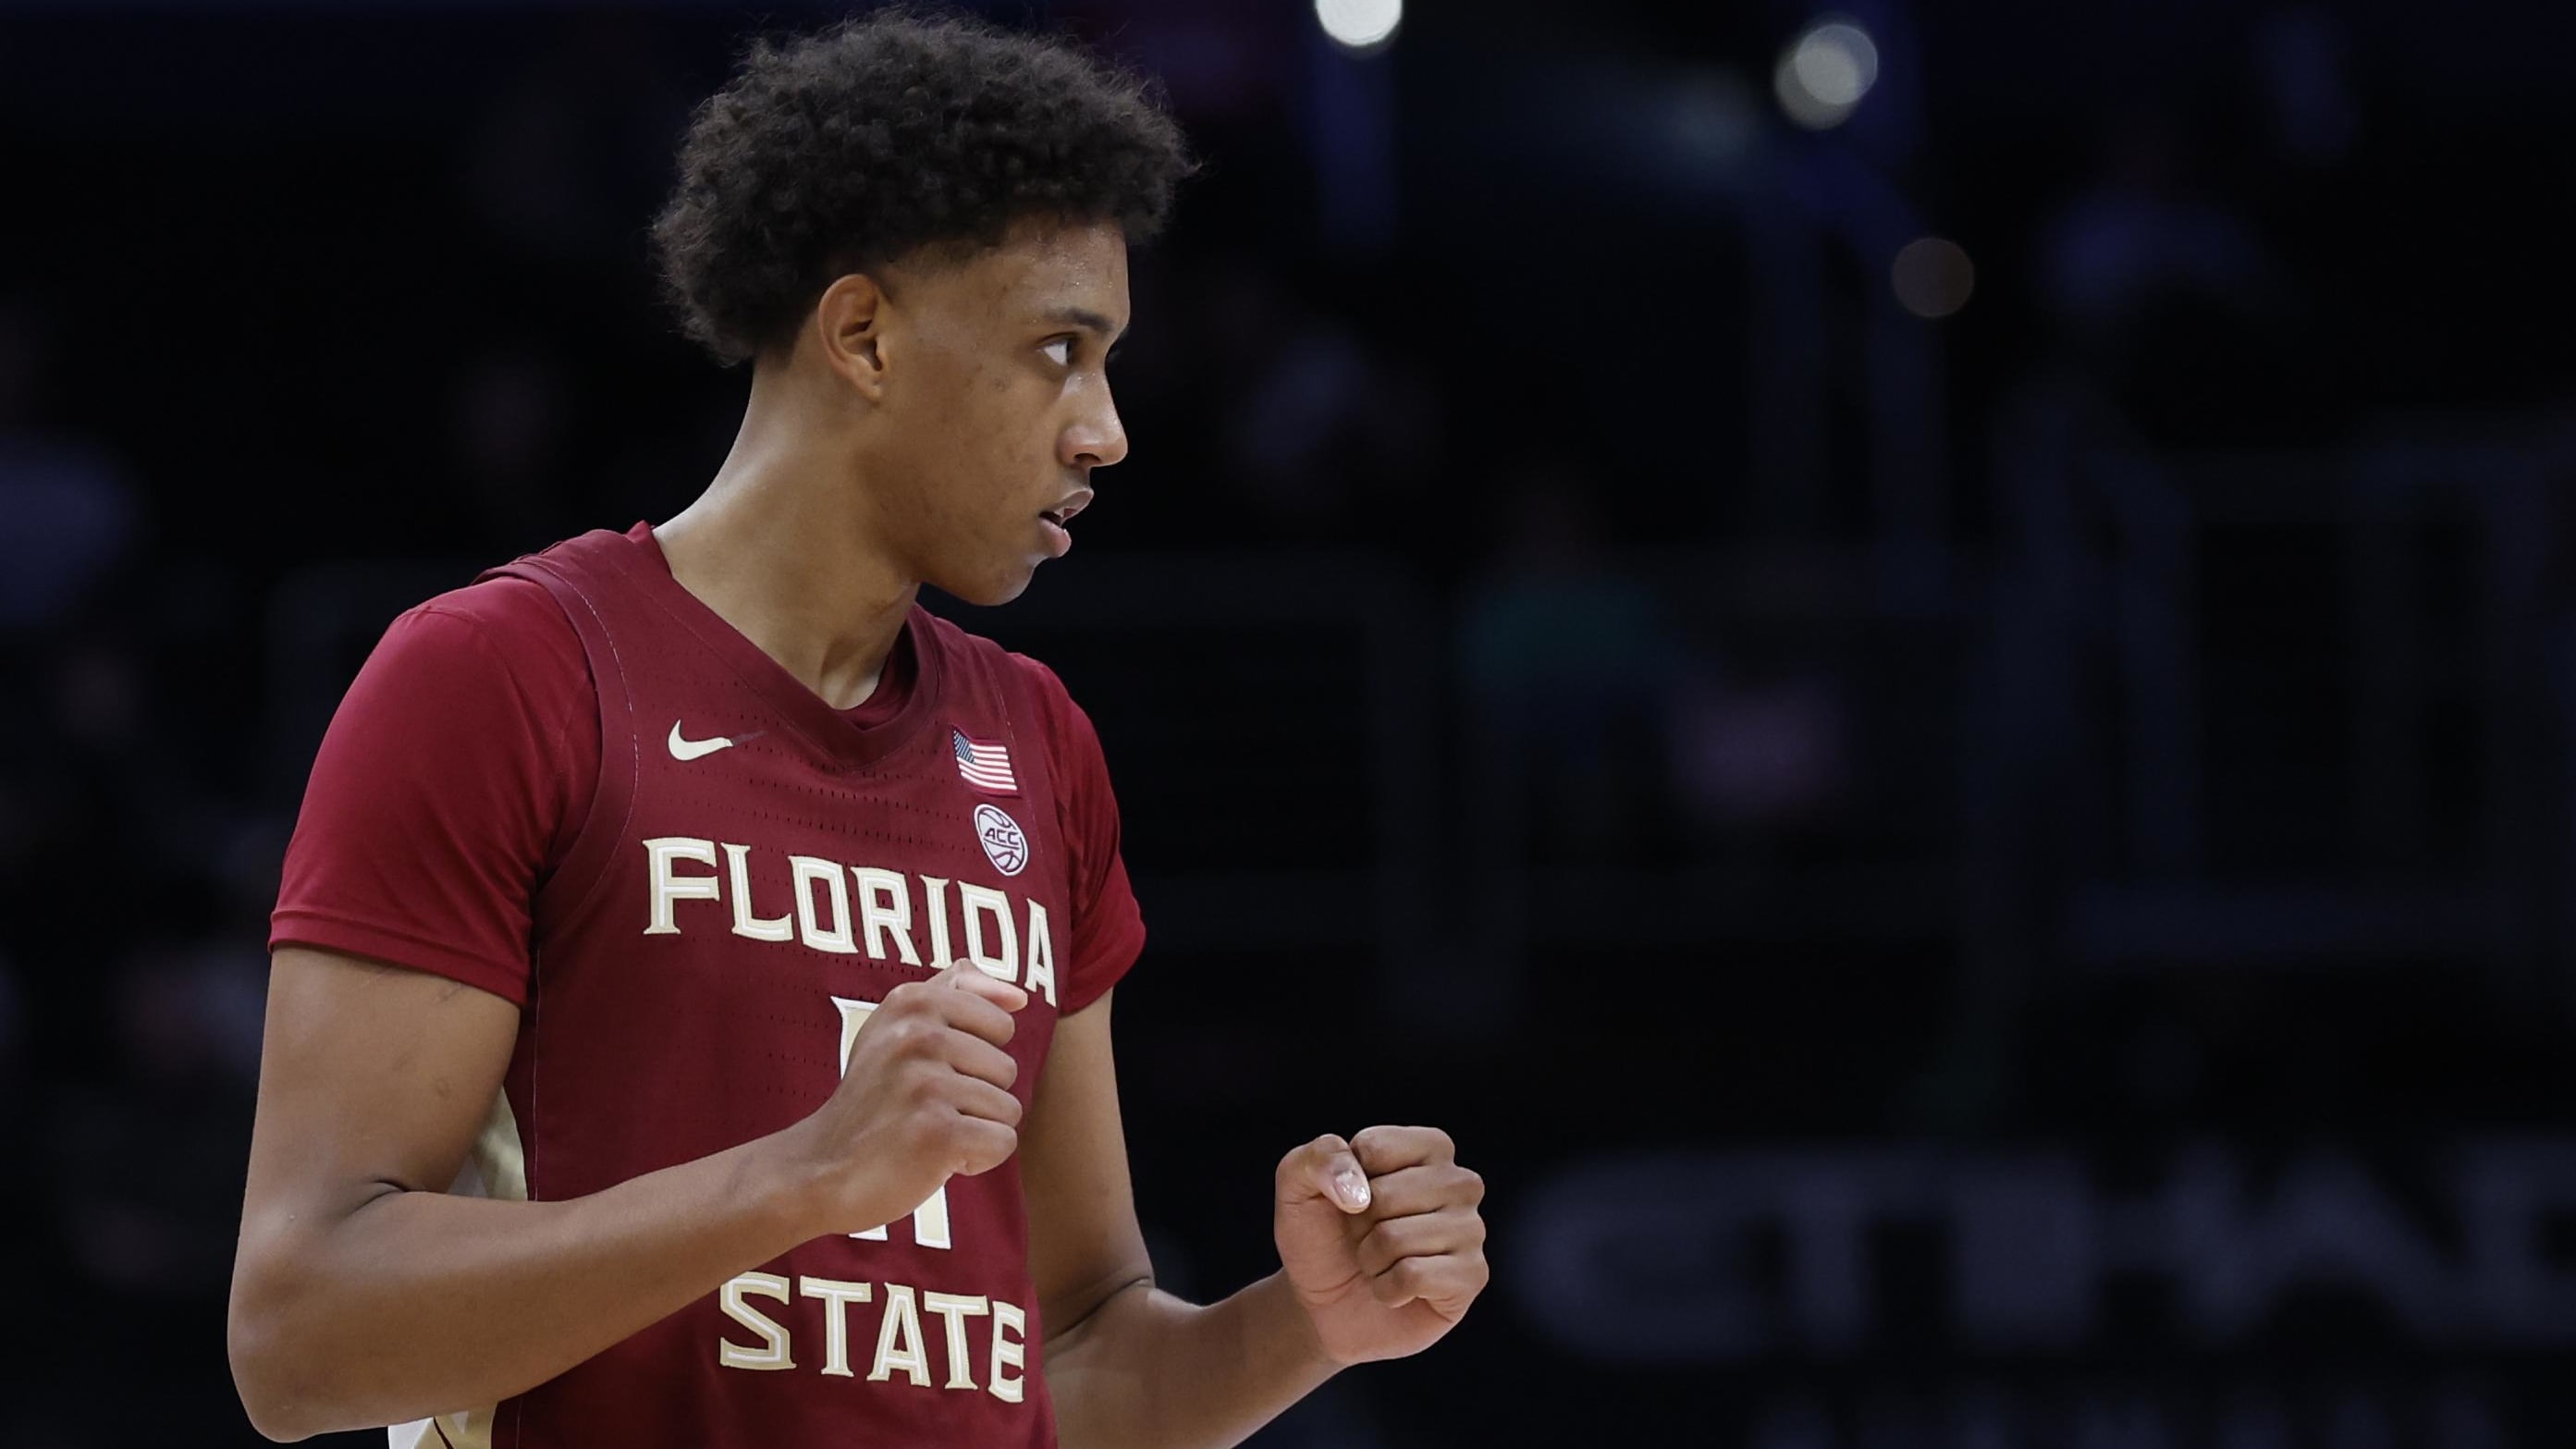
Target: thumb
point(972, 979)
point(1324, 1168)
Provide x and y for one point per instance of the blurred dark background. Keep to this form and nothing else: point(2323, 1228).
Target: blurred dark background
point(1915, 665)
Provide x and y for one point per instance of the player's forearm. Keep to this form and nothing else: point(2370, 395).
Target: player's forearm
point(1148, 1371)
point(421, 1303)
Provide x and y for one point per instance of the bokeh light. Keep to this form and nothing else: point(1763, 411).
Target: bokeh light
point(1824, 73)
point(1933, 277)
point(1360, 24)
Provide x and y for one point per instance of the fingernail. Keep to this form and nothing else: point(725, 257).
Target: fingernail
point(1353, 1188)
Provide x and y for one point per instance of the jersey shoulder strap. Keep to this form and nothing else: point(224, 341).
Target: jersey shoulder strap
point(585, 586)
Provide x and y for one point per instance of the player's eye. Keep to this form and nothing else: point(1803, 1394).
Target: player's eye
point(1066, 359)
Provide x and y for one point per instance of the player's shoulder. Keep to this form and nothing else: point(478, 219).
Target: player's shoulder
point(499, 603)
point(1061, 724)
point(1001, 667)
point(503, 620)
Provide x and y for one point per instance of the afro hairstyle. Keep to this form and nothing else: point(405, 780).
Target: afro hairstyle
point(890, 134)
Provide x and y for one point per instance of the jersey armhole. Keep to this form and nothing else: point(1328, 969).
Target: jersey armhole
point(577, 861)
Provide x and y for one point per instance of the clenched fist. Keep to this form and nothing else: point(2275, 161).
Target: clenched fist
point(1382, 1238)
point(925, 1096)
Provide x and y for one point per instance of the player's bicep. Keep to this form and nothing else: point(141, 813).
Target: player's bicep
point(1084, 1244)
point(372, 1078)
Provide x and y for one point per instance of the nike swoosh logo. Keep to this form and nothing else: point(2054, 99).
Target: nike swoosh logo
point(691, 749)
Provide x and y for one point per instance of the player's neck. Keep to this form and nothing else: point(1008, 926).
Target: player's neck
point(758, 549)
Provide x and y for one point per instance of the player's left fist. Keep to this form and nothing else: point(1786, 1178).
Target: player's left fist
point(1382, 1239)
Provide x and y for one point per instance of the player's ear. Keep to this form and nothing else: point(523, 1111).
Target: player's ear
point(849, 326)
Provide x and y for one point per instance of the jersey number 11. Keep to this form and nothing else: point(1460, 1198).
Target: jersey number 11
point(930, 1220)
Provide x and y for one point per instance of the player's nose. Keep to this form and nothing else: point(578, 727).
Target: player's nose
point(1096, 442)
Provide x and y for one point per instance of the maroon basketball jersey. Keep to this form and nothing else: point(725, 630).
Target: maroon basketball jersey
point(755, 874)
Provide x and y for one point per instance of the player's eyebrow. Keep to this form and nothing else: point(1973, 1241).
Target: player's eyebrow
point(1084, 318)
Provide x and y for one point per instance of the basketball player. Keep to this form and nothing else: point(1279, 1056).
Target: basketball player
point(689, 1014)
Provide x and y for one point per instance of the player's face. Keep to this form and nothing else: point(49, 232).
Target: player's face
point(1003, 410)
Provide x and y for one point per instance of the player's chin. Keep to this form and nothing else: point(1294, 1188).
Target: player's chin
point(998, 584)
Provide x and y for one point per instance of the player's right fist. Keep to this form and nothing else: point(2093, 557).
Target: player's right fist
point(926, 1096)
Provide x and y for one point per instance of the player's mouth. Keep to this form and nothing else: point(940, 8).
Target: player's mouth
point(1054, 520)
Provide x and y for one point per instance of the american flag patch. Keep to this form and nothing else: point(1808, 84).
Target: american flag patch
point(986, 767)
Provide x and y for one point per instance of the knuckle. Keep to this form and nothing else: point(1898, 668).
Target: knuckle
point(991, 1146)
point(1376, 1248)
point(931, 1132)
point(921, 1084)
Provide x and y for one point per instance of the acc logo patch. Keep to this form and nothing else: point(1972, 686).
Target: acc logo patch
point(1003, 843)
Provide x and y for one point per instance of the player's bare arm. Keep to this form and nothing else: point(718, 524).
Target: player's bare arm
point(1380, 1241)
point(366, 1293)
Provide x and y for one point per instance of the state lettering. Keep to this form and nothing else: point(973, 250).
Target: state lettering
point(941, 1361)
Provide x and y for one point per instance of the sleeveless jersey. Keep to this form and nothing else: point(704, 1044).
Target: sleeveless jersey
point(754, 875)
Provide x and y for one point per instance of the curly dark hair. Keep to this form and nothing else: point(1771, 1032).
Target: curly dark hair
point(885, 135)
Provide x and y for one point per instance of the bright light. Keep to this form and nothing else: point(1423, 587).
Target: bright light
point(1360, 24)
point(1825, 72)
point(1836, 63)
point(1933, 277)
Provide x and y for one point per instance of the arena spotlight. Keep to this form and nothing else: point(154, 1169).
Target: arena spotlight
point(1360, 24)
point(1933, 277)
point(1824, 73)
